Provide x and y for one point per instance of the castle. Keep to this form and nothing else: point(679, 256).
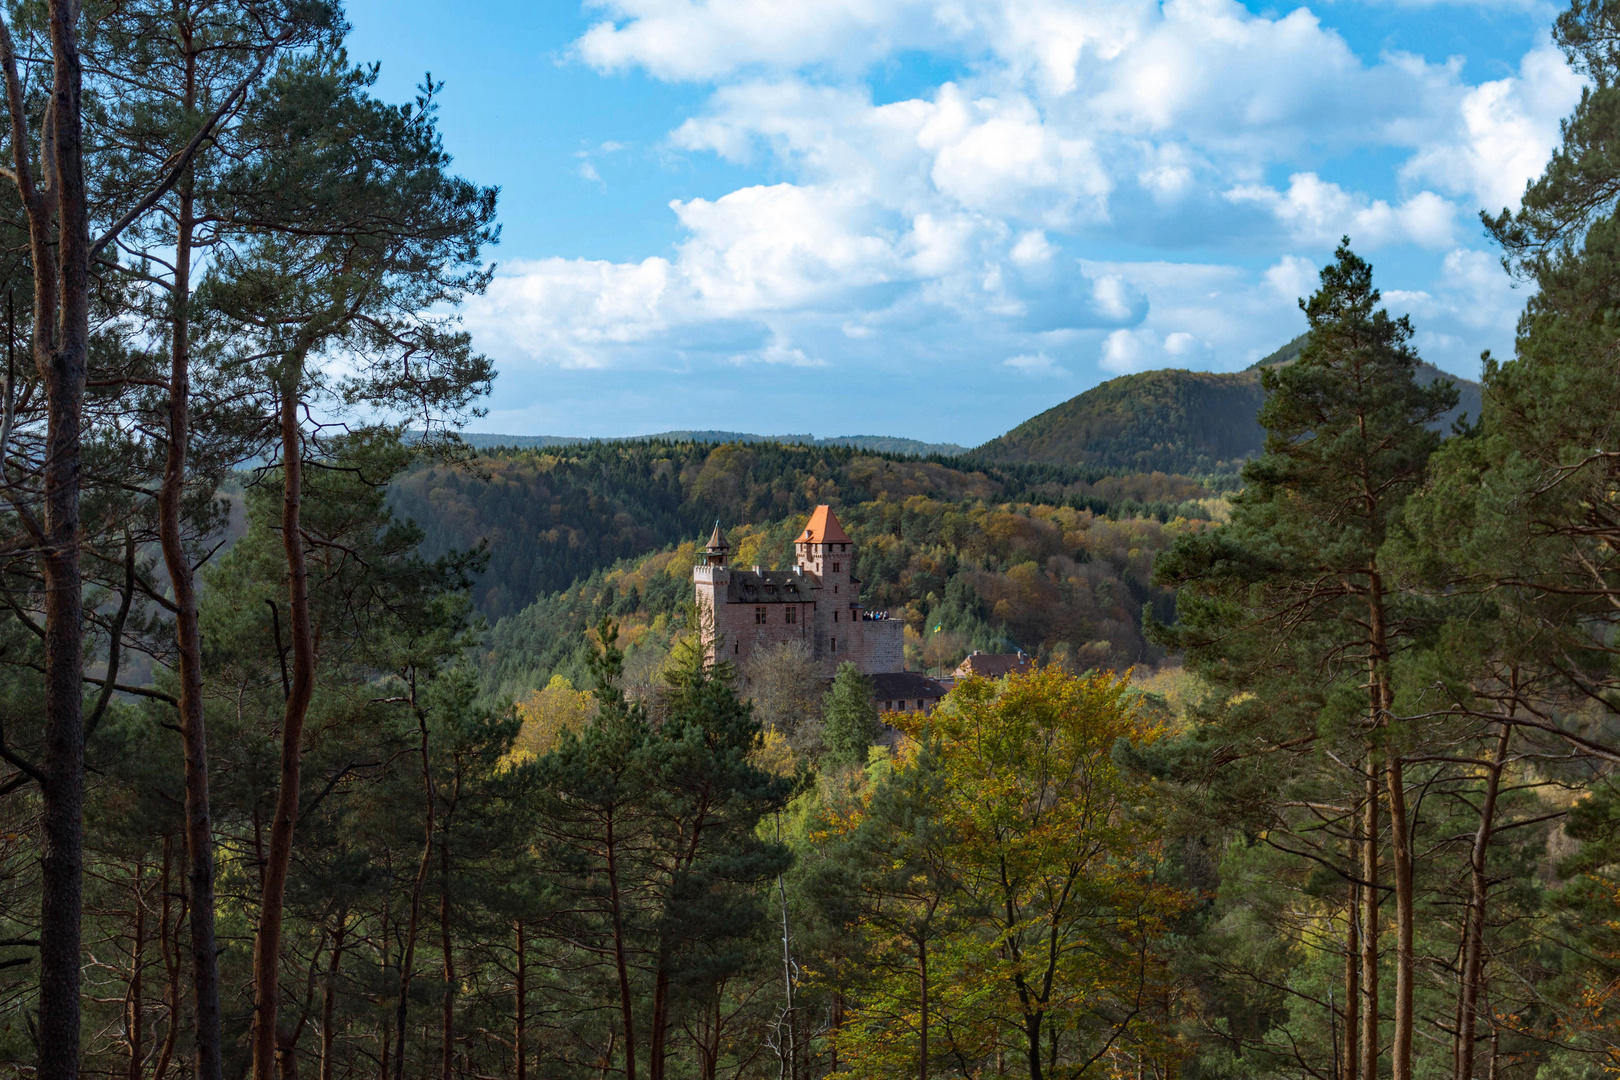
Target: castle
point(816, 602)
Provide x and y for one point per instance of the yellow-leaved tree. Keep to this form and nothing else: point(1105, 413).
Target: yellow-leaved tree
point(1005, 876)
point(546, 714)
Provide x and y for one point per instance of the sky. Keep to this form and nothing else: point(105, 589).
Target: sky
point(938, 218)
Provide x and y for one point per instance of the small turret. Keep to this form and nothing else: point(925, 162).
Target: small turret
point(715, 553)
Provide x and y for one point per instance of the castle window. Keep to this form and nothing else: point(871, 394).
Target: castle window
point(736, 648)
point(835, 567)
point(835, 615)
point(792, 615)
point(835, 590)
point(833, 646)
point(760, 613)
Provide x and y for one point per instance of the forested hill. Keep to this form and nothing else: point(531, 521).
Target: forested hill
point(1195, 422)
point(551, 517)
point(883, 444)
point(1065, 584)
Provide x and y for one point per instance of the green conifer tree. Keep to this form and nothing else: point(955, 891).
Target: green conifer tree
point(1289, 608)
point(850, 718)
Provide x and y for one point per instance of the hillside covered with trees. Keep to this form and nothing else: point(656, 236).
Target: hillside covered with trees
point(330, 750)
point(1169, 420)
point(549, 518)
point(1064, 584)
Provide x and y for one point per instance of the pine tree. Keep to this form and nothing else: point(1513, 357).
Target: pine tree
point(1293, 595)
point(849, 718)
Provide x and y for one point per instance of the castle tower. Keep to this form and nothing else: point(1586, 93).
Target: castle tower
point(715, 553)
point(712, 579)
point(817, 602)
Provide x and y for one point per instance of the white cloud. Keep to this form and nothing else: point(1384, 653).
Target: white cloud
point(1032, 249)
point(1125, 351)
point(780, 353)
point(1292, 278)
point(1034, 364)
point(1470, 305)
point(998, 156)
point(780, 247)
point(704, 39)
point(1316, 211)
point(1503, 133)
point(949, 221)
point(573, 313)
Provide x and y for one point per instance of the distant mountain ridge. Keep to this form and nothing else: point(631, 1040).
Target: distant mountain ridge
point(1169, 420)
point(881, 444)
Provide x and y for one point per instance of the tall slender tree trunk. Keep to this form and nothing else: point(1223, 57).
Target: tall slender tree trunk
point(659, 1027)
point(413, 921)
point(520, 992)
point(1032, 1032)
point(61, 347)
point(169, 948)
point(329, 996)
point(267, 942)
point(188, 647)
point(447, 1018)
point(789, 1016)
point(1383, 700)
point(135, 1003)
point(620, 951)
point(922, 995)
point(1401, 852)
point(1352, 977)
point(1369, 922)
point(1478, 894)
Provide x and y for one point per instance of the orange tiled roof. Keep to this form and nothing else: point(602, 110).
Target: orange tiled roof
point(823, 528)
point(993, 665)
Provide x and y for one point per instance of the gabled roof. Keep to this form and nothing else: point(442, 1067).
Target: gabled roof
point(994, 665)
point(900, 685)
point(771, 587)
point(823, 528)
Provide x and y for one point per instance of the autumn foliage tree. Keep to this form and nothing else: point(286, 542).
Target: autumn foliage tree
point(1017, 865)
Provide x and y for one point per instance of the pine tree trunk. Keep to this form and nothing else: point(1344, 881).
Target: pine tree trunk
point(1352, 978)
point(1401, 850)
point(61, 349)
point(169, 948)
point(659, 1027)
point(414, 920)
point(922, 993)
point(329, 997)
point(1479, 893)
point(447, 949)
point(188, 648)
point(620, 953)
point(1369, 923)
point(267, 941)
point(135, 1002)
point(520, 1032)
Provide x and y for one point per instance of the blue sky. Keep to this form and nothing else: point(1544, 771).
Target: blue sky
point(936, 218)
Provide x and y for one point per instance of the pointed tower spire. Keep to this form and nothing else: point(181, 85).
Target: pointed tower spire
point(716, 551)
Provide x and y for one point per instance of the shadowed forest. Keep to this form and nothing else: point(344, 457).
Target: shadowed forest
point(332, 748)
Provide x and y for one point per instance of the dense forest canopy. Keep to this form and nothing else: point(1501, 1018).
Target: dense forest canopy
point(552, 517)
point(330, 748)
point(1174, 421)
point(1065, 585)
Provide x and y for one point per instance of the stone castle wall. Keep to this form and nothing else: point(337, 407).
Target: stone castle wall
point(829, 620)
